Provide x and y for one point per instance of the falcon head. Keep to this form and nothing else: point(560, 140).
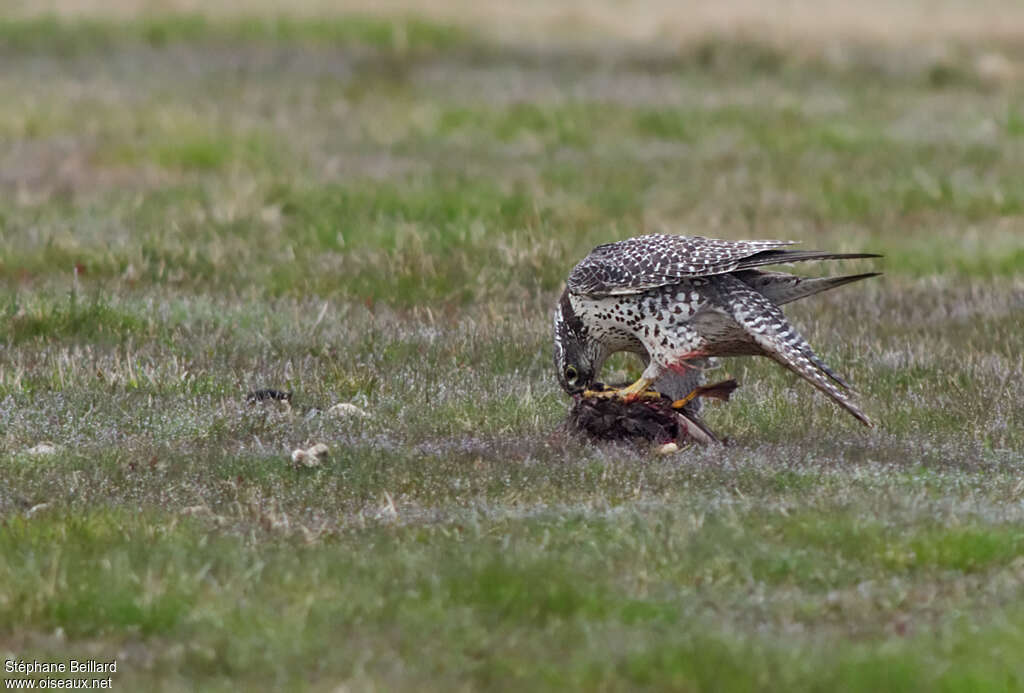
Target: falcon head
point(577, 357)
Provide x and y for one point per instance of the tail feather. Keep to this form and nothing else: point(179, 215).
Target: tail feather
point(781, 257)
point(779, 340)
point(781, 288)
point(823, 367)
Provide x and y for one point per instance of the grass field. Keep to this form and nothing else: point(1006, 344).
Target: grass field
point(380, 209)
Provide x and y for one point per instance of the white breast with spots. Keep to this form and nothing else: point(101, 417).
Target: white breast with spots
point(656, 321)
point(611, 320)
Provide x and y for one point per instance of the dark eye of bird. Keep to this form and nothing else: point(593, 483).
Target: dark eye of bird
point(571, 374)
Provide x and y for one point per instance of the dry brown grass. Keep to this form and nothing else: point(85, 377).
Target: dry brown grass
point(633, 20)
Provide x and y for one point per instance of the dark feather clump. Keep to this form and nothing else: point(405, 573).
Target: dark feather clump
point(656, 421)
point(612, 419)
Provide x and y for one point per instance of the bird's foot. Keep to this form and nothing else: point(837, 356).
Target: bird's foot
point(613, 393)
point(721, 390)
point(680, 403)
point(638, 391)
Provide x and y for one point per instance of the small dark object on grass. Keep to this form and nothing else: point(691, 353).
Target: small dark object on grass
point(656, 421)
point(268, 394)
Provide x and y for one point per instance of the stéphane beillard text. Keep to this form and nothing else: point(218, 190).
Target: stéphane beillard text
point(72, 666)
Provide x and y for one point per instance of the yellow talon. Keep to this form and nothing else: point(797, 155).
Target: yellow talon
point(641, 386)
point(721, 390)
point(638, 390)
point(680, 403)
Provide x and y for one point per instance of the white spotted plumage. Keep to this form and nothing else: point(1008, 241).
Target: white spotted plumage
point(677, 300)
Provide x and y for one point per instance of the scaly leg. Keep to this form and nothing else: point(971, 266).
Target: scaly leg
point(680, 403)
point(641, 389)
point(721, 390)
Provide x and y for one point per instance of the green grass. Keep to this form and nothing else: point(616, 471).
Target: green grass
point(383, 212)
point(51, 34)
point(515, 592)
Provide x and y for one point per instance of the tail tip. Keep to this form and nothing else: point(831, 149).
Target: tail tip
point(864, 419)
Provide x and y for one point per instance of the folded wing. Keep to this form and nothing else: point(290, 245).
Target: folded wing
point(647, 262)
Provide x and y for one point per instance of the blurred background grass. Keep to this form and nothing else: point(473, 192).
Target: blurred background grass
point(317, 154)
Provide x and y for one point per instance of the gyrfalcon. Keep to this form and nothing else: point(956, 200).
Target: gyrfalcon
point(678, 301)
